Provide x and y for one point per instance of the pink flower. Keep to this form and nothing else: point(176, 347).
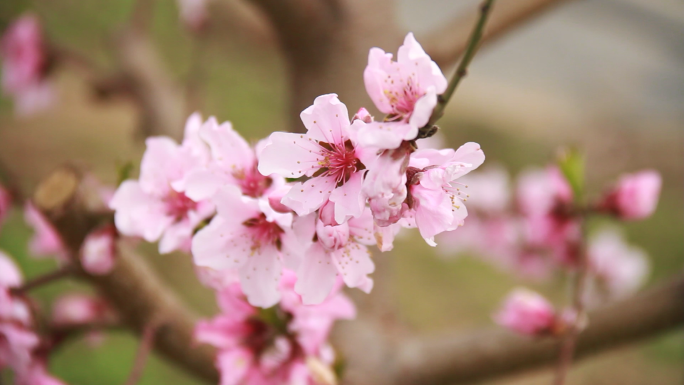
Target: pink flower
point(327, 153)
point(248, 236)
point(635, 196)
point(385, 184)
point(232, 161)
point(435, 197)
point(25, 63)
point(10, 276)
point(97, 255)
point(339, 251)
point(273, 345)
point(545, 200)
point(527, 312)
point(46, 241)
point(489, 190)
point(5, 204)
point(79, 309)
point(406, 90)
point(151, 207)
point(620, 269)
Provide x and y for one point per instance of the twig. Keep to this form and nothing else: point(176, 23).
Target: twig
point(569, 341)
point(146, 344)
point(462, 69)
point(508, 16)
point(62, 272)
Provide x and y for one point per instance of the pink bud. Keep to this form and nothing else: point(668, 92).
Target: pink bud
point(97, 255)
point(332, 237)
point(327, 214)
point(363, 115)
point(78, 309)
point(635, 196)
point(276, 196)
point(527, 312)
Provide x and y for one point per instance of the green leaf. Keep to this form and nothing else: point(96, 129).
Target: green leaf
point(123, 172)
point(571, 164)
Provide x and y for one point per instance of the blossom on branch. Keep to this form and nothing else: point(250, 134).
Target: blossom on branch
point(151, 207)
point(634, 197)
point(328, 154)
point(286, 344)
point(527, 312)
point(249, 237)
point(435, 198)
point(405, 90)
point(98, 251)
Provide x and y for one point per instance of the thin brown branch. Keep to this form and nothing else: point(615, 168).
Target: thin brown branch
point(447, 44)
point(61, 273)
point(452, 359)
point(144, 349)
point(131, 288)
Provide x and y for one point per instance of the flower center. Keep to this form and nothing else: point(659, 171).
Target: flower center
point(178, 205)
point(264, 232)
point(339, 161)
point(403, 101)
point(251, 182)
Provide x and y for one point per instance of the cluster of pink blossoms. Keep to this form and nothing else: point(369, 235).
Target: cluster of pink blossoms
point(286, 344)
point(22, 349)
point(539, 232)
point(310, 202)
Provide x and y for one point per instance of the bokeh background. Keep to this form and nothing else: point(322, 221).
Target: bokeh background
point(605, 75)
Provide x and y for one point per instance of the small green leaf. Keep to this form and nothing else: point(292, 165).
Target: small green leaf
point(123, 172)
point(571, 164)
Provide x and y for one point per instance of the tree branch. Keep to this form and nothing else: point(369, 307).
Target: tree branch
point(132, 288)
point(452, 359)
point(447, 44)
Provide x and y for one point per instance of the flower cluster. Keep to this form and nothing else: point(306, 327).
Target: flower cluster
point(310, 202)
point(20, 347)
point(539, 232)
point(285, 344)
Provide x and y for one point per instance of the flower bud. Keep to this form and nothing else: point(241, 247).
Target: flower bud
point(635, 196)
point(363, 115)
point(527, 312)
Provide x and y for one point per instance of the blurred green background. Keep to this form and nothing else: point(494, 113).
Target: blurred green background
point(519, 117)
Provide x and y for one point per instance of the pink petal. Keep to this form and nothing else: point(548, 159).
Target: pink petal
point(316, 275)
point(307, 197)
point(260, 276)
point(354, 264)
point(327, 120)
point(349, 202)
point(290, 155)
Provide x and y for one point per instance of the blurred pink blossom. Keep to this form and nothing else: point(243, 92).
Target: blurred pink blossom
point(46, 241)
point(151, 207)
point(194, 13)
point(25, 64)
point(526, 312)
point(635, 196)
point(98, 252)
point(406, 90)
point(79, 309)
point(618, 268)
